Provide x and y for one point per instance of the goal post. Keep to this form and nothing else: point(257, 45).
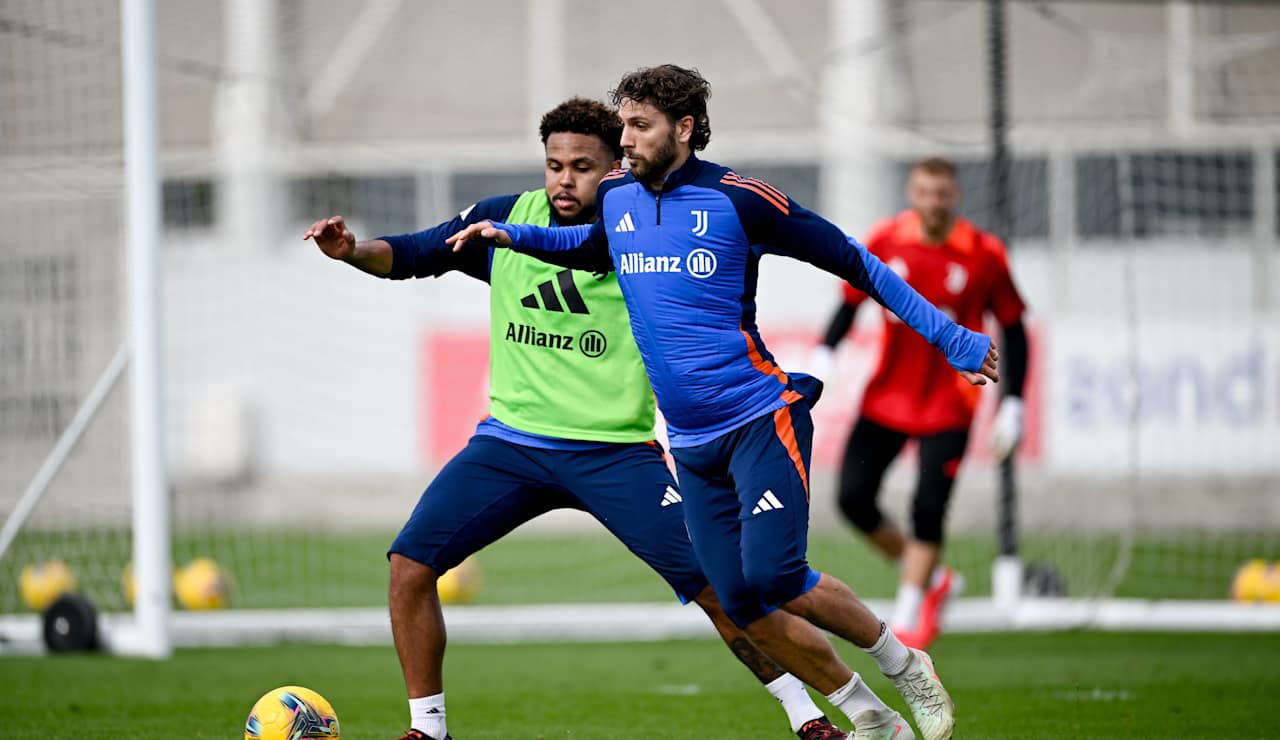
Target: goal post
point(83, 313)
point(142, 229)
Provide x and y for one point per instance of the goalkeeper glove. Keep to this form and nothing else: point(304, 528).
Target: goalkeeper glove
point(821, 362)
point(1008, 427)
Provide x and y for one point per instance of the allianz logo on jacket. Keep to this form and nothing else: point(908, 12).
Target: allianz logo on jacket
point(633, 262)
point(700, 263)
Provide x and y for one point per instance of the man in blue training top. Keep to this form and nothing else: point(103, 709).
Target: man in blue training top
point(558, 436)
point(685, 238)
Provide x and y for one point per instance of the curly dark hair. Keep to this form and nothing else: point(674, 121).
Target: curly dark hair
point(584, 116)
point(676, 91)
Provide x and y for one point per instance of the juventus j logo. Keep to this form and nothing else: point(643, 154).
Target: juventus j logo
point(700, 223)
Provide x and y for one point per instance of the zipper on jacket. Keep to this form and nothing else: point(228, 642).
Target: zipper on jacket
point(657, 202)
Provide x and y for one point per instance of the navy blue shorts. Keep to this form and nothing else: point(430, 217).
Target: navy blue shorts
point(493, 486)
point(746, 501)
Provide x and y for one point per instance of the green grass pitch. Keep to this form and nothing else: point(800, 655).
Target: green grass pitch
point(270, 569)
point(1052, 685)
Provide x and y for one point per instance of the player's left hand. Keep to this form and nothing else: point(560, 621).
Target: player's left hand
point(1007, 432)
point(480, 230)
point(988, 369)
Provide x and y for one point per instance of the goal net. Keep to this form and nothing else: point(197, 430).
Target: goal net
point(307, 405)
point(1144, 239)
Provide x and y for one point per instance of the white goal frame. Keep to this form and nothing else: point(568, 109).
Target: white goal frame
point(147, 630)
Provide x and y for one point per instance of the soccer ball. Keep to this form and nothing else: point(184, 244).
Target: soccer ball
point(128, 583)
point(201, 584)
point(291, 713)
point(1256, 580)
point(41, 584)
point(459, 585)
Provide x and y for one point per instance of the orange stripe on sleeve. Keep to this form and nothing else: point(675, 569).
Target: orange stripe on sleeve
point(787, 435)
point(733, 178)
point(781, 205)
point(614, 175)
point(778, 193)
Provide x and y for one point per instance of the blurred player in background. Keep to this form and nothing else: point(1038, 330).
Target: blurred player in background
point(915, 395)
point(571, 424)
point(685, 239)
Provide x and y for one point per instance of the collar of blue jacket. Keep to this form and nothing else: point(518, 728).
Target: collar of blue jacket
point(682, 175)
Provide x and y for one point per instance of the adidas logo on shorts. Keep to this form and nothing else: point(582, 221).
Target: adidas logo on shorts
point(767, 502)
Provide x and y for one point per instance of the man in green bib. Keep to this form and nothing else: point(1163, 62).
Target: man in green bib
point(547, 444)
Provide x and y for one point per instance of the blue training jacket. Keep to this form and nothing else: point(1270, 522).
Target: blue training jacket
point(687, 259)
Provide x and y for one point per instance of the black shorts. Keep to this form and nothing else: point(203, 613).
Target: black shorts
point(872, 447)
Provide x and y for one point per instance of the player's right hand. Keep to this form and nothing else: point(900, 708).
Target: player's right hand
point(333, 237)
point(479, 231)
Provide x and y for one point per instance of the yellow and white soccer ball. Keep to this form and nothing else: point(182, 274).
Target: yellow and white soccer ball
point(460, 585)
point(291, 713)
point(202, 584)
point(1256, 580)
point(128, 583)
point(41, 584)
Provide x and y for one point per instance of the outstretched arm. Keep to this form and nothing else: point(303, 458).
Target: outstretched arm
point(416, 255)
point(800, 233)
point(583, 247)
point(338, 242)
point(971, 353)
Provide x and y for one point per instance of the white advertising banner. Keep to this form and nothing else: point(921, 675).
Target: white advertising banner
point(1198, 396)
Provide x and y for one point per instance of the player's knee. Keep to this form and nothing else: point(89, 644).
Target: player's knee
point(716, 611)
point(858, 504)
point(710, 603)
point(409, 577)
point(741, 608)
point(927, 516)
point(775, 583)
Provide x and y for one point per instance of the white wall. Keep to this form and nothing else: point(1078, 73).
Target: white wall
point(330, 360)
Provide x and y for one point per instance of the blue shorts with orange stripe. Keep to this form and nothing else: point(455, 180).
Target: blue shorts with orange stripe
point(493, 486)
point(746, 503)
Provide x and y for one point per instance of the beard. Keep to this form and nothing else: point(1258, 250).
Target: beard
point(650, 171)
point(585, 215)
point(936, 224)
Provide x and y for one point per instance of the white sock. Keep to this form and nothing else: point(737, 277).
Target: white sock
point(855, 698)
point(936, 577)
point(907, 606)
point(890, 654)
point(796, 702)
point(426, 714)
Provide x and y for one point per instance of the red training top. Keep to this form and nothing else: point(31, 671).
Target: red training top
point(914, 390)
